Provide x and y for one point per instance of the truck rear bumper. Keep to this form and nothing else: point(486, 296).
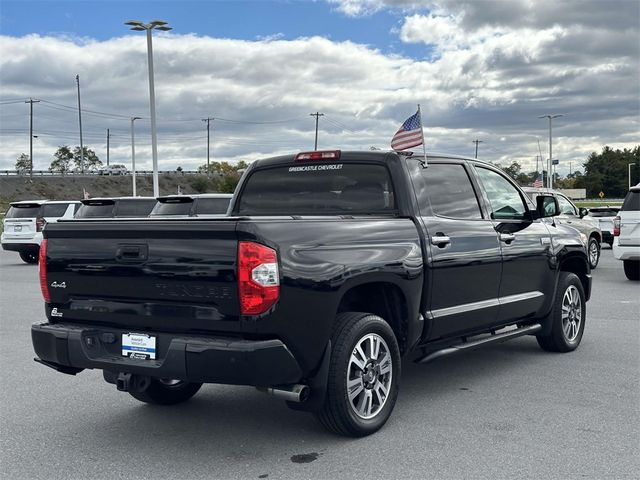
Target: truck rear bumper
point(199, 358)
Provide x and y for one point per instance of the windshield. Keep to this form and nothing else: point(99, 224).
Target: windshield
point(24, 211)
point(318, 189)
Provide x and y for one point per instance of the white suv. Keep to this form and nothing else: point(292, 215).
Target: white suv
point(626, 232)
point(25, 220)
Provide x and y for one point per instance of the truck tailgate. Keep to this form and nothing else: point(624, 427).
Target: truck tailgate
point(172, 275)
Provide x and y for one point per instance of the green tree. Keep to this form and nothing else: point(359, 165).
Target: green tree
point(62, 160)
point(608, 172)
point(23, 164)
point(91, 160)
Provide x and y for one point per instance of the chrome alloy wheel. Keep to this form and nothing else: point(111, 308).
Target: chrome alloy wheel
point(593, 253)
point(369, 376)
point(571, 313)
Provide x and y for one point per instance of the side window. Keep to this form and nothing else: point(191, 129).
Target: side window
point(566, 207)
point(450, 191)
point(506, 202)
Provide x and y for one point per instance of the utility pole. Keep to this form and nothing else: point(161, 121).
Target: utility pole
point(550, 172)
point(570, 172)
point(80, 124)
point(477, 142)
point(538, 157)
point(31, 101)
point(317, 115)
point(208, 120)
point(108, 135)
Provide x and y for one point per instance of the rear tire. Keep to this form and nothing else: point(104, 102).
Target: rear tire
point(164, 392)
point(632, 269)
point(29, 257)
point(364, 374)
point(567, 316)
point(594, 252)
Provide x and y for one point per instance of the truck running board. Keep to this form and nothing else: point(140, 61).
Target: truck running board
point(473, 344)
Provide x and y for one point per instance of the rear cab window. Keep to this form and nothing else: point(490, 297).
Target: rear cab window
point(97, 209)
point(54, 209)
point(631, 201)
point(318, 188)
point(173, 206)
point(212, 206)
point(27, 210)
point(134, 208)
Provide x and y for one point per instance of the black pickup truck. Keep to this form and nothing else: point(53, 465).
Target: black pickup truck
point(330, 270)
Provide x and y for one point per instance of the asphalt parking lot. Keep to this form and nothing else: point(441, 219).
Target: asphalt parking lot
point(507, 411)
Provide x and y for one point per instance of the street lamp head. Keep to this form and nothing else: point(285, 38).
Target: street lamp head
point(138, 29)
point(136, 118)
point(134, 23)
point(157, 23)
point(164, 29)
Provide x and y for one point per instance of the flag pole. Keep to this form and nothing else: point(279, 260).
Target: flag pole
point(424, 148)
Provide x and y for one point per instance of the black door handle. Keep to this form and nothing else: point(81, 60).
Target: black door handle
point(132, 253)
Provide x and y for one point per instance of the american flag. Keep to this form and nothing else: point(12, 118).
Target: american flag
point(538, 182)
point(409, 135)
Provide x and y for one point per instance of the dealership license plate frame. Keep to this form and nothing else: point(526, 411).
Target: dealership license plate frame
point(139, 345)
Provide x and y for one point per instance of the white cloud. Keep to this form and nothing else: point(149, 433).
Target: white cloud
point(484, 76)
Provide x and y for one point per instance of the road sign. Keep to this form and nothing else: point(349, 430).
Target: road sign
point(601, 194)
point(555, 162)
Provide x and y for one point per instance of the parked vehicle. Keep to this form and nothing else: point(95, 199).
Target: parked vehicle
point(199, 205)
point(117, 207)
point(576, 218)
point(25, 220)
point(604, 216)
point(626, 231)
point(331, 269)
point(116, 169)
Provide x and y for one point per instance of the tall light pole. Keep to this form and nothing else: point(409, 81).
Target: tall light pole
point(550, 165)
point(140, 26)
point(133, 156)
point(208, 120)
point(80, 124)
point(629, 172)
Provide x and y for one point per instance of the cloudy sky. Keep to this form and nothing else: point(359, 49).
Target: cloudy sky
point(480, 69)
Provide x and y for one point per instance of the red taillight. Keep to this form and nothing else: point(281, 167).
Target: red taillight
point(42, 263)
point(327, 155)
point(616, 227)
point(40, 222)
point(258, 279)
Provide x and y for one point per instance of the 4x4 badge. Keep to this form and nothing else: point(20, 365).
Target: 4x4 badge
point(59, 285)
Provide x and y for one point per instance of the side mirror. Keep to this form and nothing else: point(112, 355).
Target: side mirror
point(547, 206)
point(583, 212)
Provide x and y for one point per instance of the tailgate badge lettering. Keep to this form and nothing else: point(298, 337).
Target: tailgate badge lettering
point(59, 285)
point(55, 312)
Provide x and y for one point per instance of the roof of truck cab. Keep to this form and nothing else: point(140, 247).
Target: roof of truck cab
point(373, 155)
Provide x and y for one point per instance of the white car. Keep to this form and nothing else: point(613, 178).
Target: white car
point(25, 220)
point(113, 170)
point(605, 216)
point(626, 231)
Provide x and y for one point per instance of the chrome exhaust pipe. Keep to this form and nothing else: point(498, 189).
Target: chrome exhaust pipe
point(291, 393)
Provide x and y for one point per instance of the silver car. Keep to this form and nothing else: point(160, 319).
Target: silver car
point(577, 218)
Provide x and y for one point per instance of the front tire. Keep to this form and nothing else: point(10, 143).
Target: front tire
point(594, 252)
point(364, 374)
point(167, 392)
point(632, 269)
point(567, 316)
point(29, 257)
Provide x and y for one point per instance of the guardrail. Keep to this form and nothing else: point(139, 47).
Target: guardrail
point(48, 173)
